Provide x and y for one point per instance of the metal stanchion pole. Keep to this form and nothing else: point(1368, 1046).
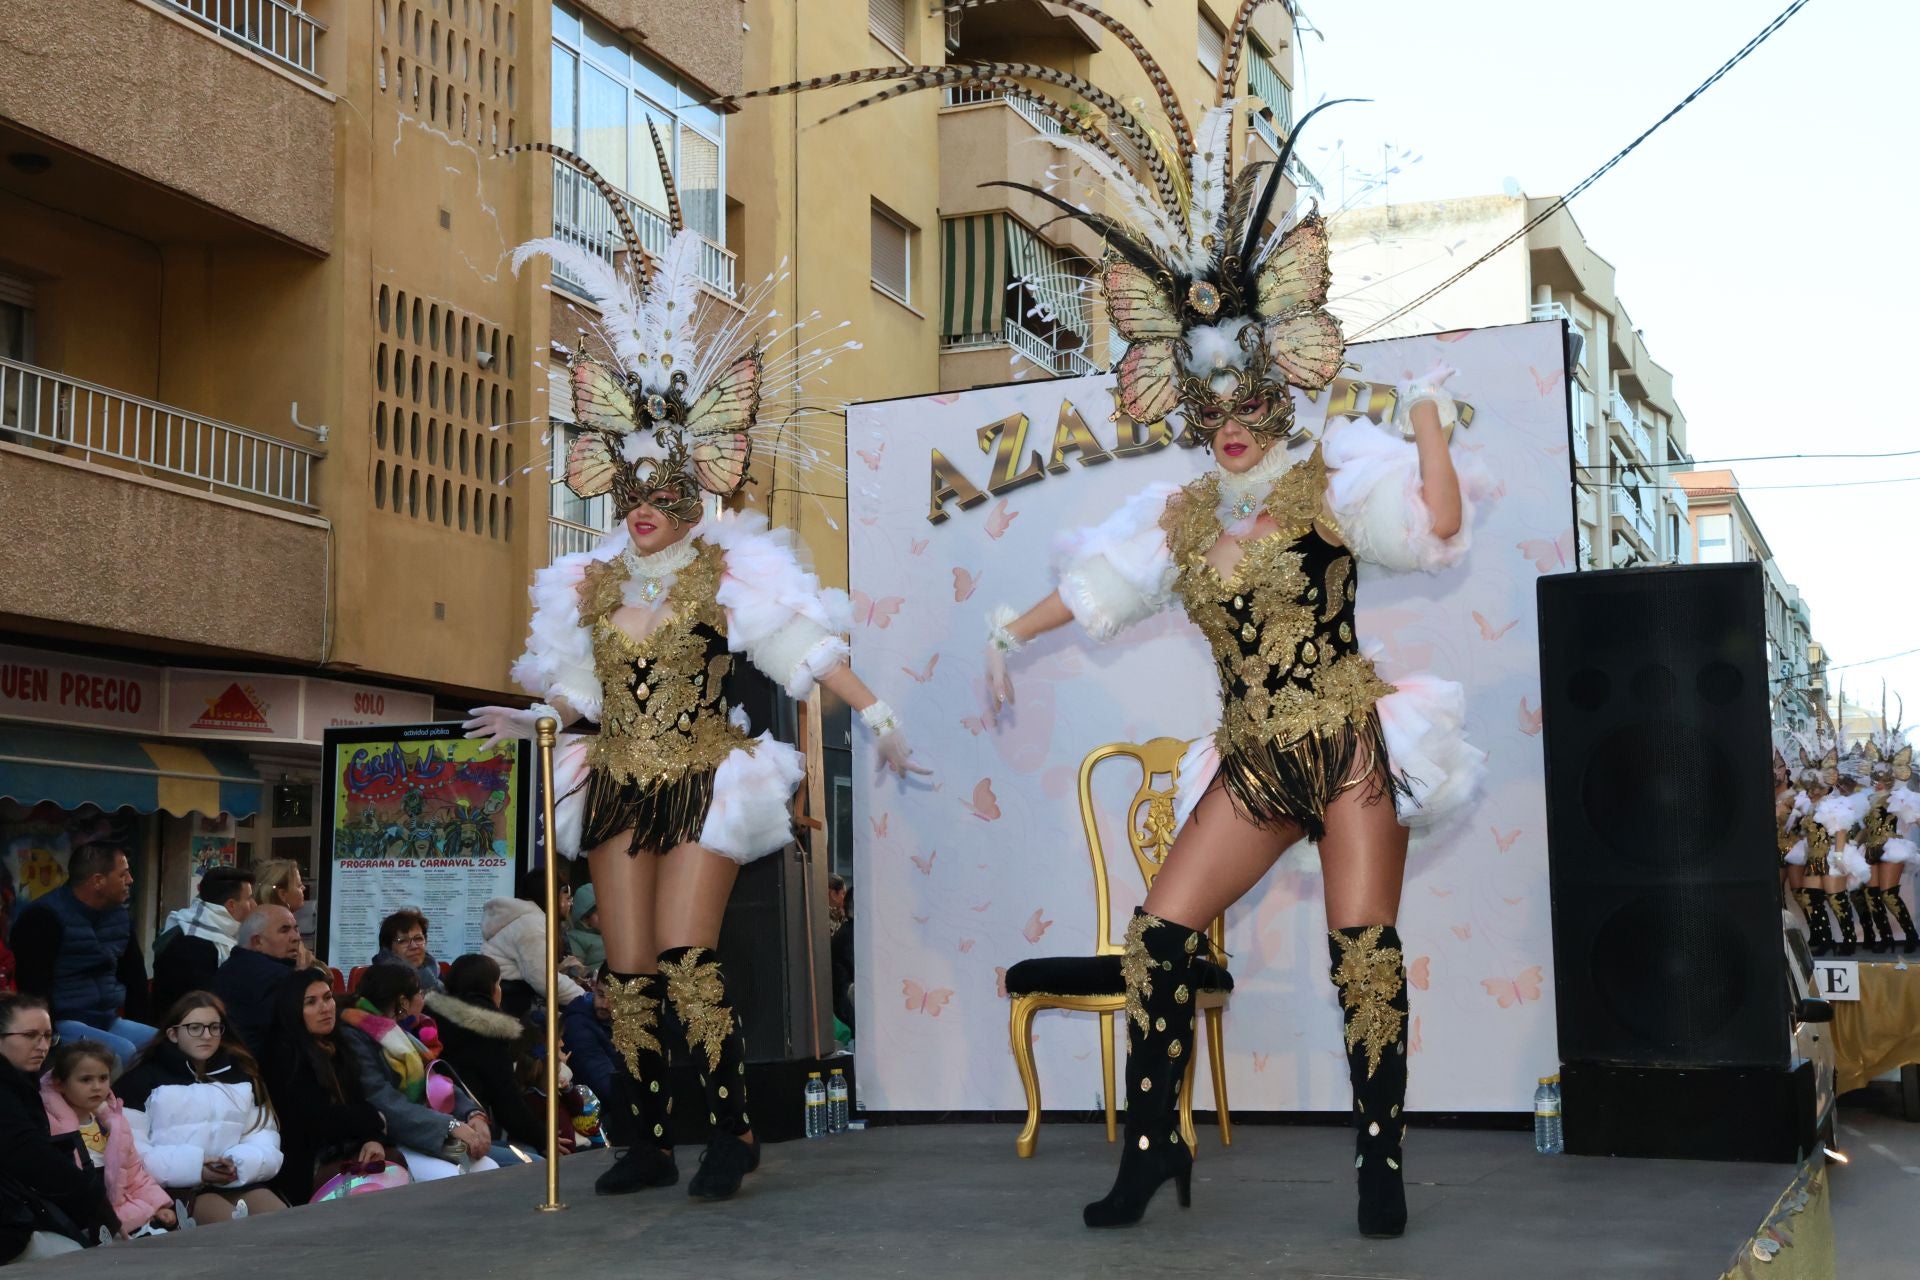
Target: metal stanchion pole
point(549, 729)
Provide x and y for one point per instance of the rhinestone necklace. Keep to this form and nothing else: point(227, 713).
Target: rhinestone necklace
point(648, 577)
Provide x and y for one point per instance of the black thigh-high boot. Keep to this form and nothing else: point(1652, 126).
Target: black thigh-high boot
point(1898, 905)
point(1819, 933)
point(640, 1079)
point(1371, 976)
point(1873, 928)
point(1843, 916)
point(697, 992)
point(1159, 971)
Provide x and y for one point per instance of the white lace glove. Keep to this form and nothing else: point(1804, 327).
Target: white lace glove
point(1000, 643)
point(493, 725)
point(890, 741)
point(1428, 388)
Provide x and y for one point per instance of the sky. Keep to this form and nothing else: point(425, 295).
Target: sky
point(1762, 239)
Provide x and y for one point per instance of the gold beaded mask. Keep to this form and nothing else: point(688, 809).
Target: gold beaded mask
point(1239, 393)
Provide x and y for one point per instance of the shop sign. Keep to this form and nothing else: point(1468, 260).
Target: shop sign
point(233, 704)
point(334, 704)
point(58, 689)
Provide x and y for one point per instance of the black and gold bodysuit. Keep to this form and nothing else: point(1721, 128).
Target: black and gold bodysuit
point(664, 707)
point(1819, 840)
point(1298, 723)
point(1877, 828)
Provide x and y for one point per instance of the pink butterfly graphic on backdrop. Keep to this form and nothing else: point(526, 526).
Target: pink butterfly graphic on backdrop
point(879, 824)
point(984, 805)
point(999, 518)
point(875, 613)
point(982, 907)
point(964, 584)
point(1488, 631)
point(1516, 990)
point(920, 919)
point(1451, 335)
point(1035, 926)
point(873, 459)
point(1531, 720)
point(1513, 902)
point(926, 673)
point(916, 545)
point(974, 725)
point(965, 945)
point(924, 864)
point(1439, 893)
point(1000, 980)
point(1462, 931)
point(1260, 1061)
point(1547, 384)
point(1504, 841)
point(1420, 971)
point(869, 521)
point(1414, 1043)
point(921, 1000)
point(1549, 554)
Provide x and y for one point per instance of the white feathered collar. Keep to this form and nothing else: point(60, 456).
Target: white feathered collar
point(1244, 494)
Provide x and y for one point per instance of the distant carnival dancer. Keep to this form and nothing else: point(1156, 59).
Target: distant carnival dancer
point(665, 789)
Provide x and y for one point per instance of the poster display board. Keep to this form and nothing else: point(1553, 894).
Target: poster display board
point(418, 816)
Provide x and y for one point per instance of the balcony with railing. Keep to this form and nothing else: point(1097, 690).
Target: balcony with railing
point(1025, 344)
point(43, 409)
point(283, 33)
point(1621, 414)
point(582, 216)
point(966, 96)
point(1264, 83)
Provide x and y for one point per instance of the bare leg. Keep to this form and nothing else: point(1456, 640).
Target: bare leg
point(1217, 857)
point(261, 1200)
point(1363, 859)
point(690, 897)
point(210, 1207)
point(624, 887)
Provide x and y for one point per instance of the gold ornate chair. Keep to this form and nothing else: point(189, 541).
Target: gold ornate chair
point(1092, 983)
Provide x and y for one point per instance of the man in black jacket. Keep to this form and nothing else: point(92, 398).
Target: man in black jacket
point(199, 938)
point(40, 1183)
point(249, 982)
point(75, 949)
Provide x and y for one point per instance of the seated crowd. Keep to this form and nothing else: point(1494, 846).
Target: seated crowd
point(262, 1079)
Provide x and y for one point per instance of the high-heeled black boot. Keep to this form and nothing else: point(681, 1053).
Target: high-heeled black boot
point(1898, 905)
point(697, 993)
point(640, 1084)
point(1873, 929)
point(1813, 903)
point(1159, 972)
point(1372, 979)
point(1843, 916)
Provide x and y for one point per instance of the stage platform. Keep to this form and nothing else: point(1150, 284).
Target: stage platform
point(953, 1200)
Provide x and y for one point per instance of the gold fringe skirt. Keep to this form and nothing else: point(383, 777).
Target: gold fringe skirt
point(1272, 783)
point(661, 815)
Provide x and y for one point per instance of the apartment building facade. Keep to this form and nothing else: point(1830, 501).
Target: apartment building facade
point(1629, 435)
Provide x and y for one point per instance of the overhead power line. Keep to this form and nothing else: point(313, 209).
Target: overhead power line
point(1562, 201)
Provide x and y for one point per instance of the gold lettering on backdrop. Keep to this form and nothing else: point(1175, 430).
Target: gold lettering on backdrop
point(1347, 398)
point(1137, 440)
point(1070, 434)
point(1006, 440)
point(944, 482)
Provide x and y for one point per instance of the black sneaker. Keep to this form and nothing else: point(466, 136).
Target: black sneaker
point(723, 1164)
point(636, 1169)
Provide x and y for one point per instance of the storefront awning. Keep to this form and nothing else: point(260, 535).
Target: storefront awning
point(73, 767)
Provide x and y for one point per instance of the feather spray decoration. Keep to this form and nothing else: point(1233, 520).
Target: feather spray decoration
point(1207, 185)
point(1257, 218)
point(675, 217)
point(637, 256)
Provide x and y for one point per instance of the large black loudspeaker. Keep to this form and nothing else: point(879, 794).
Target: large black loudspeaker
point(1666, 900)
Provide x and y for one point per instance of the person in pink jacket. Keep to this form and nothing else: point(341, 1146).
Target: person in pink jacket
point(77, 1092)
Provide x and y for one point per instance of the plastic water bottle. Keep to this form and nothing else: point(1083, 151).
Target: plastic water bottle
point(1547, 1138)
point(837, 1099)
point(816, 1106)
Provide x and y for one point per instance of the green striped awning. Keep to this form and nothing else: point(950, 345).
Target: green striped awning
point(974, 274)
point(1050, 281)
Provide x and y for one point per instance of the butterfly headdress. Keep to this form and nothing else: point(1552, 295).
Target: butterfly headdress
point(1889, 754)
point(1218, 315)
point(674, 414)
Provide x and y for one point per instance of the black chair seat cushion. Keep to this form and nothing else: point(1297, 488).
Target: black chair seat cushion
point(1091, 976)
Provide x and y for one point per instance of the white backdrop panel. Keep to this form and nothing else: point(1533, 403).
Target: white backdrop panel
point(987, 865)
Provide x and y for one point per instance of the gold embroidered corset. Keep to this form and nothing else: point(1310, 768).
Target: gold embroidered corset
point(663, 700)
point(1877, 827)
point(1819, 840)
point(1281, 624)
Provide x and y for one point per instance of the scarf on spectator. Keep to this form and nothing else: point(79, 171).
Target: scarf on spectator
point(406, 1056)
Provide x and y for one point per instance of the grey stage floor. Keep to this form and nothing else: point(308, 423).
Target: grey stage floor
point(935, 1201)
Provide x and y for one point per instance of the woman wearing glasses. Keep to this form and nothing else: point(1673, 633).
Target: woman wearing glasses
point(200, 1113)
point(32, 1167)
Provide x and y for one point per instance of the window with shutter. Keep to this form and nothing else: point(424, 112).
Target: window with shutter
point(887, 19)
point(1213, 44)
point(892, 251)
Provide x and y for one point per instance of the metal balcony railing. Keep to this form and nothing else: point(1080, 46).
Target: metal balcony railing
point(1550, 311)
point(1619, 411)
point(50, 410)
point(1031, 346)
point(565, 538)
point(961, 96)
point(274, 29)
point(582, 216)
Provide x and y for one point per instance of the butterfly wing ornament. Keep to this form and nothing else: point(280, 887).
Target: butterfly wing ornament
point(717, 424)
point(592, 464)
point(1143, 311)
point(601, 398)
point(1306, 348)
point(1296, 274)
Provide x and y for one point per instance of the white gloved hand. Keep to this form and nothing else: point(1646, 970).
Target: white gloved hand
point(493, 725)
point(999, 684)
point(896, 755)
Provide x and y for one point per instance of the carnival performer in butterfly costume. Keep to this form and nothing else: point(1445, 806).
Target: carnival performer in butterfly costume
point(667, 792)
point(1222, 320)
point(1887, 834)
point(1817, 831)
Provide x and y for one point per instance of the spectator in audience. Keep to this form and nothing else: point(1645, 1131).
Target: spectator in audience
point(485, 1047)
point(403, 941)
point(326, 1120)
point(584, 939)
point(201, 1114)
point(75, 949)
point(49, 1203)
point(277, 882)
point(250, 980)
point(392, 1067)
point(77, 1092)
point(199, 938)
point(840, 947)
point(513, 932)
point(587, 1035)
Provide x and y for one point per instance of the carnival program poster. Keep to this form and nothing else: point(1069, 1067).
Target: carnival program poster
point(418, 816)
point(954, 501)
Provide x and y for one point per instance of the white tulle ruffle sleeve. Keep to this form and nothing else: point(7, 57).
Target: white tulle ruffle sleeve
point(1840, 814)
point(1904, 805)
point(558, 662)
point(1373, 490)
point(1118, 572)
point(777, 613)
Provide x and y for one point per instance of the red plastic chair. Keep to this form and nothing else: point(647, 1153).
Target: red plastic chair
point(353, 978)
point(339, 980)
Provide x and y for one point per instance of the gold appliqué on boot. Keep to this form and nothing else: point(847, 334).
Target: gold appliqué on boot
point(1369, 977)
point(698, 995)
point(1135, 968)
point(635, 1015)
